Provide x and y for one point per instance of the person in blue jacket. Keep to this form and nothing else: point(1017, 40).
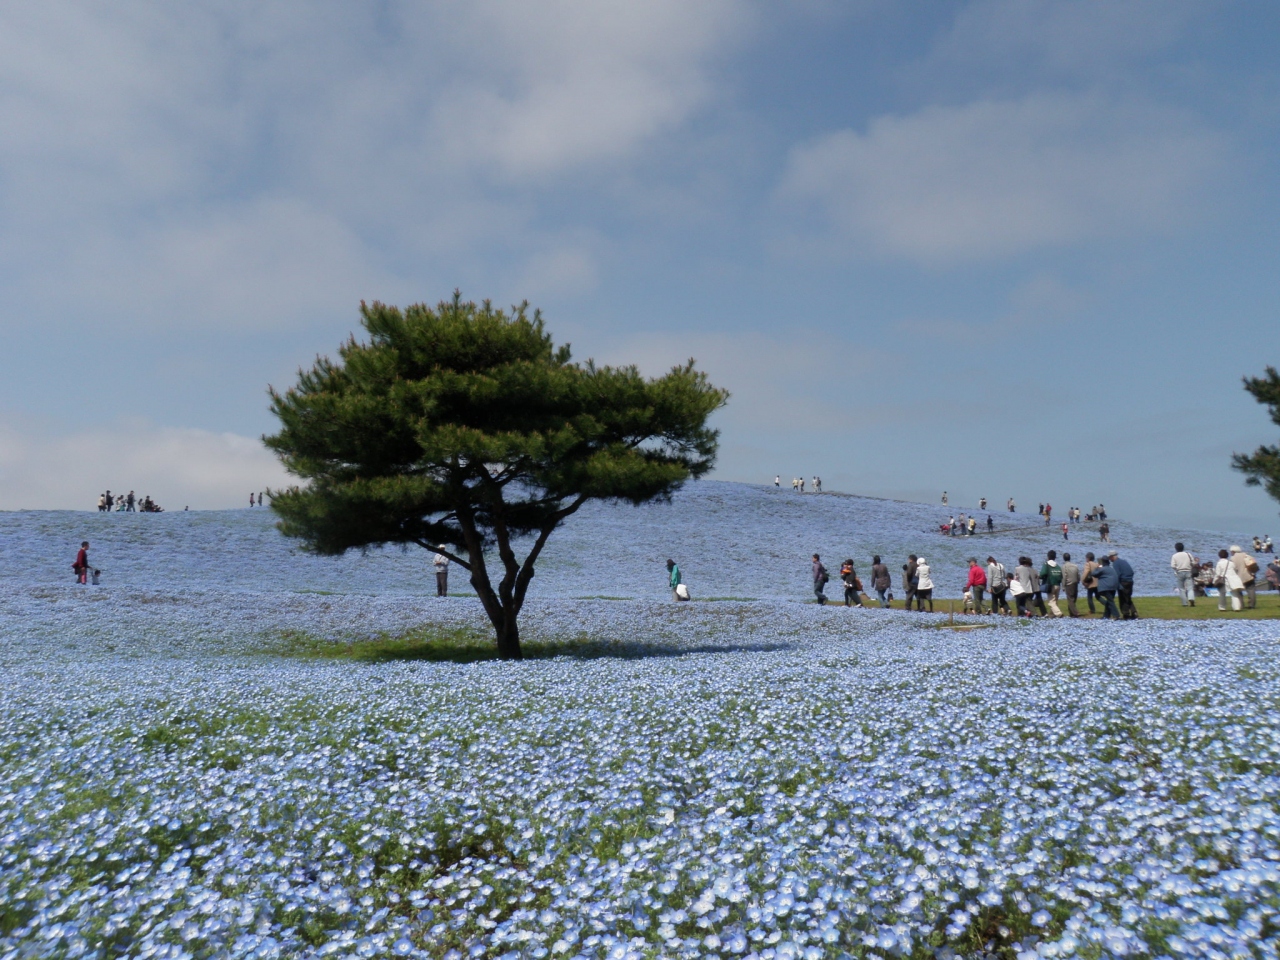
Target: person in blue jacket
point(1125, 591)
point(1108, 579)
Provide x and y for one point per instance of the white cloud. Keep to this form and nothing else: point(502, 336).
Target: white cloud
point(251, 161)
point(997, 178)
point(177, 467)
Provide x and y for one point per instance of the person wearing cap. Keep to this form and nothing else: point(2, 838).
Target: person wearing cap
point(976, 583)
point(1228, 582)
point(1125, 590)
point(441, 564)
point(924, 585)
point(1246, 568)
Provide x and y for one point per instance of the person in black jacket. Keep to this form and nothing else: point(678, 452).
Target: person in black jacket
point(881, 580)
point(1125, 591)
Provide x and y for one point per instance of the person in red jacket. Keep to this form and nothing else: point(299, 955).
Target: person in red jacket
point(81, 566)
point(977, 583)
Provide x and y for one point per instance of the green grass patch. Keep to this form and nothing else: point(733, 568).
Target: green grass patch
point(436, 644)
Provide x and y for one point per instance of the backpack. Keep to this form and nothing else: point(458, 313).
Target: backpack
point(1054, 575)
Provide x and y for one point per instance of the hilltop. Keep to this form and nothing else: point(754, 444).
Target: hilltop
point(730, 539)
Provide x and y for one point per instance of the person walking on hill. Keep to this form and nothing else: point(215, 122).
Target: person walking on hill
point(777, 480)
point(1028, 588)
point(1108, 581)
point(820, 579)
point(1104, 532)
point(1051, 580)
point(849, 577)
point(976, 584)
point(944, 498)
point(1184, 566)
point(1070, 584)
point(909, 581)
point(982, 503)
point(998, 583)
point(1066, 529)
point(129, 501)
point(991, 524)
point(1228, 582)
point(924, 585)
point(880, 580)
point(1125, 590)
point(1088, 577)
point(81, 563)
point(973, 526)
point(1247, 569)
point(441, 564)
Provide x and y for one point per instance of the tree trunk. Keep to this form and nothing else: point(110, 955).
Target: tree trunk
point(509, 638)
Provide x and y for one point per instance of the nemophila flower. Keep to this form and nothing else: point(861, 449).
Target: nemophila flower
point(744, 772)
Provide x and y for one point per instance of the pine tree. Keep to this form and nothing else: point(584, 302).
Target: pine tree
point(463, 429)
point(1262, 467)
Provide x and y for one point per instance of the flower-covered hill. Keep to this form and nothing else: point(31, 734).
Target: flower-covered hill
point(730, 539)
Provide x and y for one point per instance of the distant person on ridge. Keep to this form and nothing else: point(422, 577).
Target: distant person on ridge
point(982, 503)
point(777, 480)
point(1104, 532)
point(129, 501)
point(1012, 508)
point(1066, 529)
point(1184, 565)
point(944, 498)
point(81, 564)
point(880, 580)
point(820, 579)
point(991, 524)
point(251, 500)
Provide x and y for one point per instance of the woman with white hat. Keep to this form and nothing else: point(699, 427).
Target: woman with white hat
point(924, 585)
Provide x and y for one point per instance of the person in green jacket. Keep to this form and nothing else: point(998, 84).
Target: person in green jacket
point(1051, 580)
point(674, 571)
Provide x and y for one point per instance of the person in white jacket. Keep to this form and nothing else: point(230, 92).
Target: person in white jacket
point(924, 585)
point(1228, 582)
point(1183, 564)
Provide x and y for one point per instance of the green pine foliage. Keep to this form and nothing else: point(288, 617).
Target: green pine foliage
point(1262, 467)
point(465, 429)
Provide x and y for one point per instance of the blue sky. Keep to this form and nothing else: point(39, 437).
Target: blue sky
point(1002, 248)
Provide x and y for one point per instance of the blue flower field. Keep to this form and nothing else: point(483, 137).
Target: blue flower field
point(756, 777)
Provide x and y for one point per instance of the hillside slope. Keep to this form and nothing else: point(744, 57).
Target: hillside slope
point(730, 539)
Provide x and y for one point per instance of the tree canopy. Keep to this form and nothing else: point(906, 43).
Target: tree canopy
point(464, 429)
point(1262, 467)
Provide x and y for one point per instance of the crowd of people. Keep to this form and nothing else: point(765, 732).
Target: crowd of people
point(797, 483)
point(127, 503)
point(1108, 582)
